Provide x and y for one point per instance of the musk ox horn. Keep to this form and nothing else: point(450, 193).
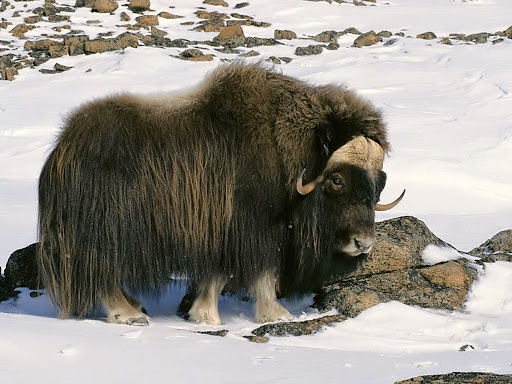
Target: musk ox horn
point(304, 189)
point(387, 207)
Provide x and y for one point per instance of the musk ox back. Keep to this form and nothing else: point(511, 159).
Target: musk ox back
point(253, 179)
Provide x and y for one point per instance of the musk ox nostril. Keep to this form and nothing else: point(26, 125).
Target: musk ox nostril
point(363, 244)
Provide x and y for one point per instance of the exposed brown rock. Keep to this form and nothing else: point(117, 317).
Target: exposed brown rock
point(147, 20)
point(396, 271)
point(284, 34)
point(167, 15)
point(309, 50)
point(327, 37)
point(508, 32)
point(125, 16)
point(211, 15)
point(20, 30)
point(221, 3)
point(123, 41)
point(231, 37)
point(32, 19)
point(427, 36)
point(104, 6)
point(139, 5)
point(194, 54)
point(367, 39)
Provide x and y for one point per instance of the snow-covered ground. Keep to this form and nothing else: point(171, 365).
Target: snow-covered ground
point(449, 110)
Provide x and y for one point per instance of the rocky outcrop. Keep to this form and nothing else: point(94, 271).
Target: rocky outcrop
point(21, 268)
point(497, 248)
point(460, 378)
point(396, 271)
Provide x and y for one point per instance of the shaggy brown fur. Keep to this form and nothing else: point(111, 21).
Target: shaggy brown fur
point(200, 184)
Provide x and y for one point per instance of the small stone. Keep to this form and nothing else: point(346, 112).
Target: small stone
point(125, 16)
point(385, 34)
point(59, 18)
point(333, 46)
point(497, 41)
point(194, 54)
point(104, 6)
point(157, 32)
point(257, 339)
point(169, 16)
point(309, 50)
point(211, 15)
point(33, 19)
point(508, 32)
point(35, 294)
point(358, 3)
point(147, 21)
point(139, 5)
point(93, 22)
point(274, 60)
point(251, 53)
point(427, 36)
point(327, 37)
point(367, 39)
point(478, 38)
point(446, 40)
point(221, 3)
point(88, 70)
point(221, 333)
point(284, 34)
point(241, 5)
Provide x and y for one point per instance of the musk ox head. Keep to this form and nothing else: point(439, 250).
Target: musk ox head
point(345, 196)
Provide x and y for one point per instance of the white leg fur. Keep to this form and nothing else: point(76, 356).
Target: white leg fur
point(205, 308)
point(124, 309)
point(267, 306)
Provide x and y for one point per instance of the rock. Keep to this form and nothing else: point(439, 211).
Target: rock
point(497, 41)
point(351, 30)
point(497, 248)
point(446, 40)
point(240, 16)
point(241, 5)
point(230, 37)
point(327, 37)
point(508, 32)
point(396, 271)
point(358, 3)
point(274, 60)
point(20, 30)
point(147, 20)
point(259, 42)
point(59, 18)
point(194, 54)
point(169, 16)
point(75, 44)
point(157, 32)
point(211, 15)
point(61, 68)
point(221, 333)
point(221, 3)
point(21, 268)
point(5, 290)
point(122, 41)
point(212, 25)
point(257, 339)
point(251, 53)
point(32, 19)
point(367, 39)
point(309, 50)
point(478, 38)
point(4, 5)
point(296, 328)
point(460, 378)
point(104, 6)
point(427, 36)
point(284, 34)
point(139, 5)
point(125, 16)
point(385, 34)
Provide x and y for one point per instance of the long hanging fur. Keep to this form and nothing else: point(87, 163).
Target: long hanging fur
point(199, 184)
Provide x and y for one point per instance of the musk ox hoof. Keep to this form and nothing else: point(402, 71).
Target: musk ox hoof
point(200, 317)
point(138, 319)
point(272, 312)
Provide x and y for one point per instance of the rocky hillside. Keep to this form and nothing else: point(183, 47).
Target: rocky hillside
point(32, 32)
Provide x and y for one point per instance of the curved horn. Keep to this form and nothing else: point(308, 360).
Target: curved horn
point(387, 207)
point(304, 189)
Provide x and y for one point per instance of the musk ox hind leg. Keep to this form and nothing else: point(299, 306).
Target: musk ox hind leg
point(267, 306)
point(124, 309)
point(205, 308)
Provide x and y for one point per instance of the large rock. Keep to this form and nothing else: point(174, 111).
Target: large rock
point(367, 39)
point(139, 5)
point(21, 268)
point(460, 378)
point(122, 41)
point(230, 37)
point(497, 248)
point(396, 271)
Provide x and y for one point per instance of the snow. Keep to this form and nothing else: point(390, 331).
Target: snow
point(449, 111)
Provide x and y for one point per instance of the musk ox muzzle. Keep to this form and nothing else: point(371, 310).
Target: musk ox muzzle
point(352, 193)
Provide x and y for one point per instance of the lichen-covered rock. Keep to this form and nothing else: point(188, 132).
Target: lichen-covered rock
point(396, 271)
point(284, 34)
point(460, 378)
point(139, 5)
point(123, 41)
point(327, 37)
point(104, 6)
point(296, 328)
point(194, 54)
point(221, 3)
point(427, 36)
point(497, 248)
point(309, 50)
point(367, 39)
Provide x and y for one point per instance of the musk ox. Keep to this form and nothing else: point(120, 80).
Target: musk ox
point(252, 179)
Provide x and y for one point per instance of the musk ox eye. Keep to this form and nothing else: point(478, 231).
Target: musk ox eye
point(336, 180)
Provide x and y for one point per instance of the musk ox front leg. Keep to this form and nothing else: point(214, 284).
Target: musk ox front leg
point(124, 309)
point(205, 308)
point(267, 306)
